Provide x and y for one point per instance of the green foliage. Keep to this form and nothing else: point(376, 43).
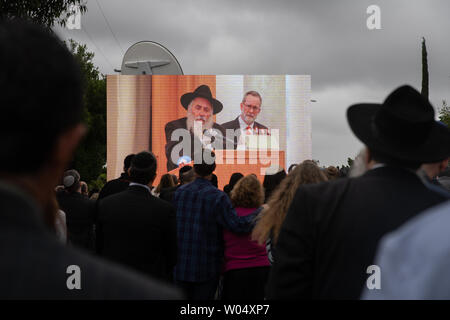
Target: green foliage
point(424, 69)
point(350, 161)
point(444, 113)
point(43, 12)
point(90, 156)
point(97, 185)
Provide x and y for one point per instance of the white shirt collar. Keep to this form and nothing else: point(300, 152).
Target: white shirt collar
point(140, 185)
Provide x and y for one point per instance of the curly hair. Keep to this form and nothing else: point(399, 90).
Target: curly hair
point(332, 173)
point(272, 217)
point(247, 193)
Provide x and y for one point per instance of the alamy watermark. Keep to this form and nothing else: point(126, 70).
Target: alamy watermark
point(74, 20)
point(374, 280)
point(373, 22)
point(74, 278)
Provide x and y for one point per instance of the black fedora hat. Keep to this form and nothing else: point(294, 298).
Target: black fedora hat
point(403, 126)
point(202, 91)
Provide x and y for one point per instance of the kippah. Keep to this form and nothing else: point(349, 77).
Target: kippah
point(68, 181)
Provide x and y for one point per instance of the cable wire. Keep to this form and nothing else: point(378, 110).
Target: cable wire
point(98, 48)
point(109, 26)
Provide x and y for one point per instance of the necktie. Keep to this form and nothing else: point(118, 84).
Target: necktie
point(248, 130)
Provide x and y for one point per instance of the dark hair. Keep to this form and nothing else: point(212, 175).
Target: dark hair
point(175, 179)
point(382, 157)
point(166, 182)
point(143, 168)
point(203, 168)
point(84, 188)
point(235, 177)
point(292, 166)
point(41, 95)
point(182, 171)
point(92, 191)
point(127, 162)
point(271, 182)
point(214, 180)
point(188, 177)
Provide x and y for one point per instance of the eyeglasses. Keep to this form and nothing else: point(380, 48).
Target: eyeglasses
point(253, 108)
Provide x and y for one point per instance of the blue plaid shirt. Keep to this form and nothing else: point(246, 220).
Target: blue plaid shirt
point(202, 211)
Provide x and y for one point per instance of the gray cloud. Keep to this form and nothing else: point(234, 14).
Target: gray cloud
point(327, 39)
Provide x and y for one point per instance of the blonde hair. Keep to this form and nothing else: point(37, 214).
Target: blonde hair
point(247, 193)
point(272, 217)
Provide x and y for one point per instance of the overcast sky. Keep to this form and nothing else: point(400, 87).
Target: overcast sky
point(329, 40)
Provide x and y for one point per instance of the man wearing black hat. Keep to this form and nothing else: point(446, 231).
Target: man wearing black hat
point(198, 125)
point(328, 241)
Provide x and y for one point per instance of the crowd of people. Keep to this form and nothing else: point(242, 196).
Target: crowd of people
point(310, 232)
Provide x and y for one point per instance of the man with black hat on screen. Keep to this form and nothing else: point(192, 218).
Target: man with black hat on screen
point(328, 240)
point(198, 124)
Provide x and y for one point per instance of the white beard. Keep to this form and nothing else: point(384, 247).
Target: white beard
point(248, 119)
point(191, 120)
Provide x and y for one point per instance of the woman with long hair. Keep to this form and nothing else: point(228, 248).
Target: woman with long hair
point(246, 264)
point(272, 179)
point(269, 221)
point(166, 182)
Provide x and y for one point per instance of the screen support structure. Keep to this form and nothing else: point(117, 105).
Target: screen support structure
point(149, 58)
point(146, 66)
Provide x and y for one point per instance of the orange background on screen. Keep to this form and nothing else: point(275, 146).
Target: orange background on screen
point(166, 106)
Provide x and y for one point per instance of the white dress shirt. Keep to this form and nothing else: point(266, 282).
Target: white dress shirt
point(242, 143)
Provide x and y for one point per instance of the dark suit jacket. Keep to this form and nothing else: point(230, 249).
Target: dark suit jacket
point(181, 124)
point(114, 186)
point(34, 263)
point(235, 125)
point(80, 217)
point(138, 230)
point(331, 232)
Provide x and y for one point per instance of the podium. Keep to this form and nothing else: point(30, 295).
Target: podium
point(245, 162)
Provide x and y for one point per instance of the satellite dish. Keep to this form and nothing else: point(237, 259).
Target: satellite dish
point(148, 57)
